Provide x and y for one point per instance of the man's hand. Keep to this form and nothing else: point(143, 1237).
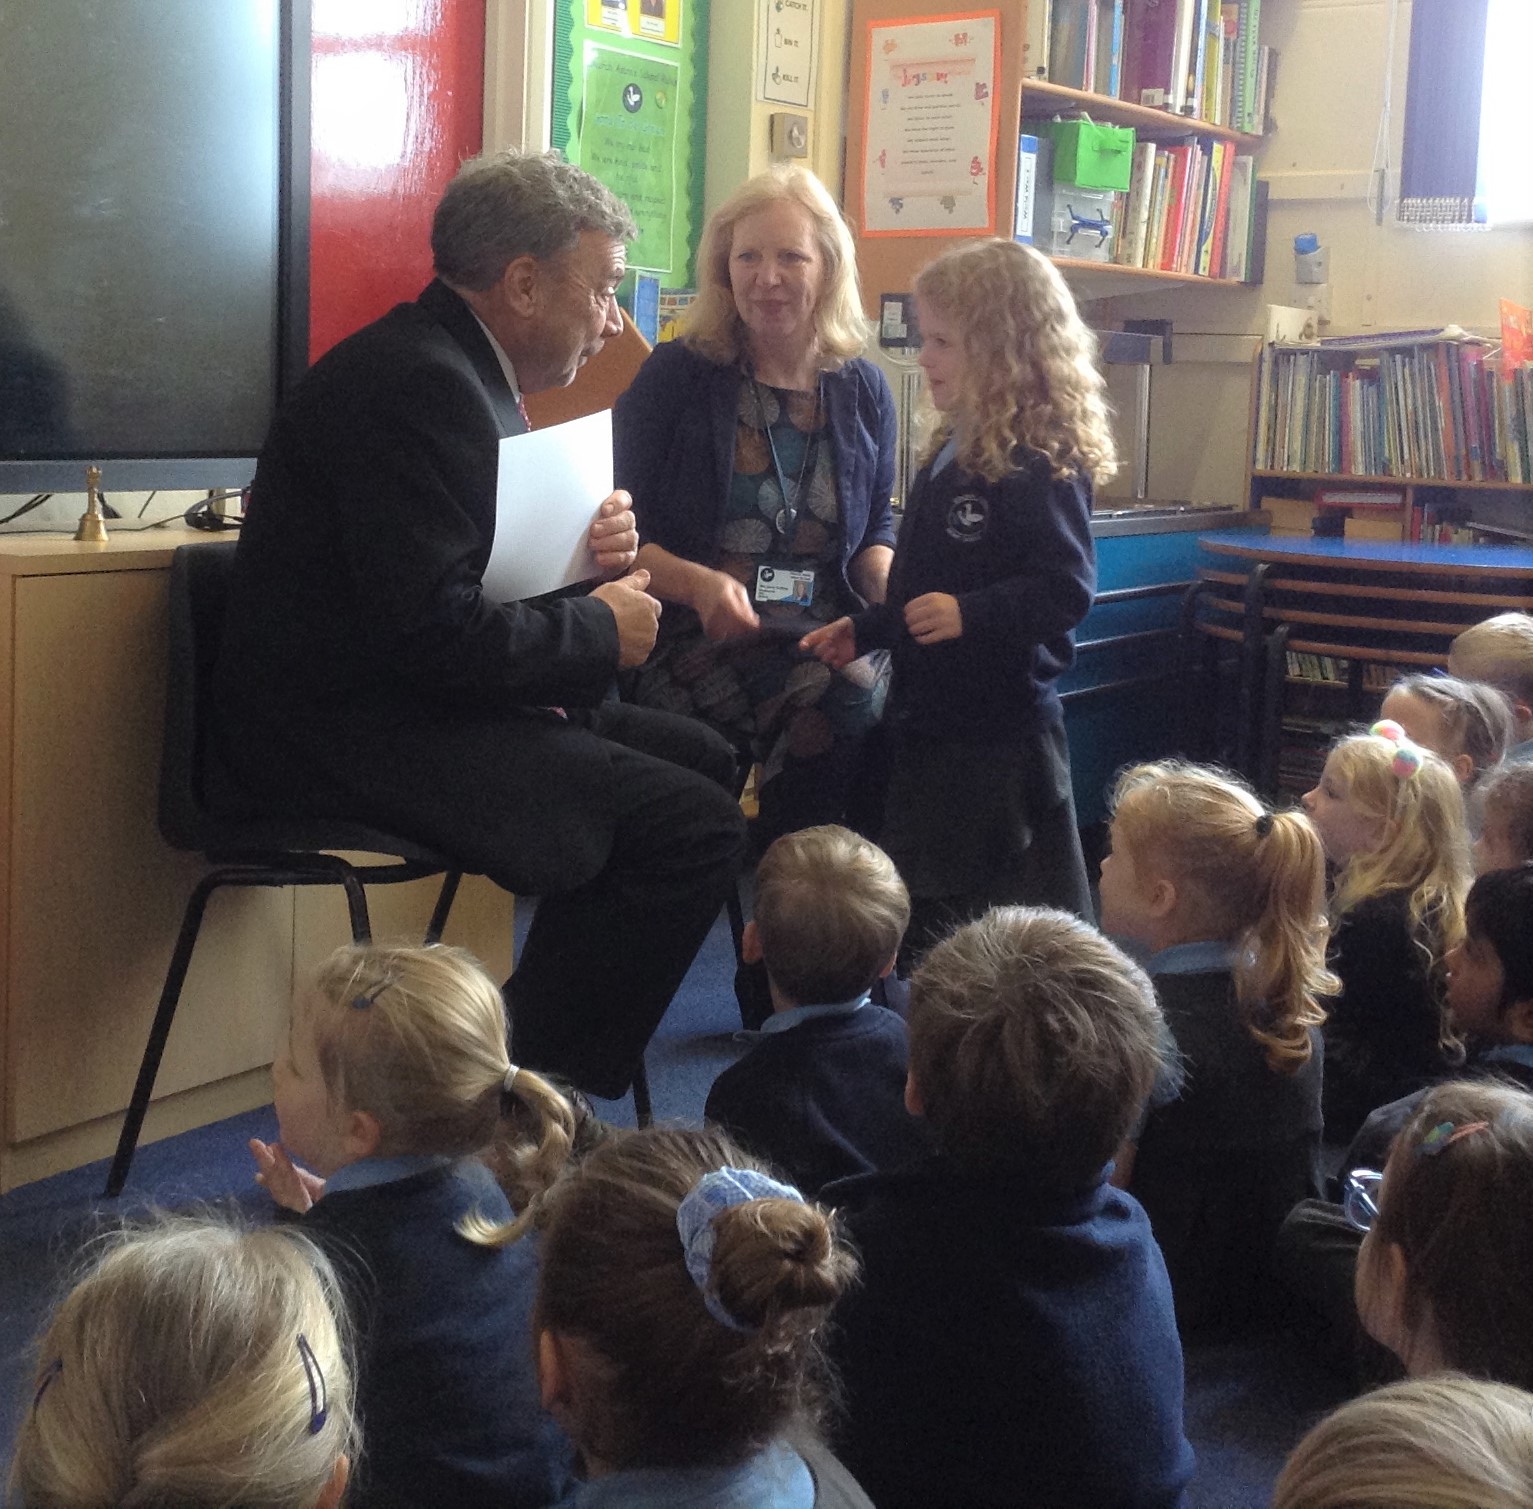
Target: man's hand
point(724, 607)
point(614, 535)
point(637, 615)
point(933, 617)
point(833, 644)
point(290, 1186)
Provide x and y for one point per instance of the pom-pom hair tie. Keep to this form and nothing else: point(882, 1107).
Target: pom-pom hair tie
point(1445, 1134)
point(1407, 759)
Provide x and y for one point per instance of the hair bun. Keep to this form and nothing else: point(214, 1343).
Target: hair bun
point(775, 1255)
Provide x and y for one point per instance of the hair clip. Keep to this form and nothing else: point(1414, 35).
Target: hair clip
point(508, 1084)
point(1264, 825)
point(319, 1401)
point(1407, 757)
point(1445, 1134)
point(49, 1373)
point(720, 1190)
point(365, 998)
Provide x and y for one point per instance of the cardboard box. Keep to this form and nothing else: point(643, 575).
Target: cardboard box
point(1092, 156)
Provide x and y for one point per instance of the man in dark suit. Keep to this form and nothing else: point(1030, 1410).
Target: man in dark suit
point(363, 672)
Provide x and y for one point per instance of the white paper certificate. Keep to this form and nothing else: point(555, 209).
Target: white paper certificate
point(930, 126)
point(550, 484)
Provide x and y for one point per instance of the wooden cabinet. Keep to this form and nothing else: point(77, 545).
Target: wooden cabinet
point(91, 896)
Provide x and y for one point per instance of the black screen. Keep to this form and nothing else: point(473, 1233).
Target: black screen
point(150, 300)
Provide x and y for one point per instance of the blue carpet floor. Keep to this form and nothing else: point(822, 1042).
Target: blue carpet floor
point(1246, 1404)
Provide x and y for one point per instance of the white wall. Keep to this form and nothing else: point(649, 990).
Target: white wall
point(1330, 86)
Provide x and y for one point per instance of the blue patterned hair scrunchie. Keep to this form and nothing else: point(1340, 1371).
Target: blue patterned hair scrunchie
point(716, 1191)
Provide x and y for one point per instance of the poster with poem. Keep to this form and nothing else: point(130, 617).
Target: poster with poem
point(930, 126)
point(628, 141)
point(654, 20)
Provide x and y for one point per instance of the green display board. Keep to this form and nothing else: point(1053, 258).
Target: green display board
point(631, 109)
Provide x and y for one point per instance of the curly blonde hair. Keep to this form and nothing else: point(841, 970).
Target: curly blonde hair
point(1252, 877)
point(712, 325)
point(1031, 378)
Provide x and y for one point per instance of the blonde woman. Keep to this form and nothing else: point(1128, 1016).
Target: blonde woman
point(759, 449)
point(194, 1364)
point(995, 569)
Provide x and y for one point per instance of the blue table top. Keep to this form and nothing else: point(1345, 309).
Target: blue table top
point(1376, 555)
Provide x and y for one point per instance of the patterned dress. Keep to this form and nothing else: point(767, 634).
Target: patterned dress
point(782, 706)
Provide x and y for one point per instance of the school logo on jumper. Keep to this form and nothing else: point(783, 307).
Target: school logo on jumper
point(967, 518)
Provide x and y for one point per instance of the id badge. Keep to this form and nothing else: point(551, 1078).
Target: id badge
point(785, 584)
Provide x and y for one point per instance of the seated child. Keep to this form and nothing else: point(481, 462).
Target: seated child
point(1467, 723)
point(1505, 800)
point(194, 1364)
point(1013, 1339)
point(393, 1077)
point(1229, 900)
point(1442, 1273)
point(1499, 652)
point(1438, 1443)
point(1490, 1001)
point(821, 1095)
point(681, 1296)
point(1391, 819)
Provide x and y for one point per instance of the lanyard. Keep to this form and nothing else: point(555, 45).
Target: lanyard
point(786, 522)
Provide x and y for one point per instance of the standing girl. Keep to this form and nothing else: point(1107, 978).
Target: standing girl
point(993, 570)
point(1392, 821)
point(393, 1077)
point(1229, 900)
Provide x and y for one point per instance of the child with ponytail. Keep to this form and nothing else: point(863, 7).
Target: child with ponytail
point(680, 1299)
point(393, 1079)
point(1229, 900)
point(1392, 821)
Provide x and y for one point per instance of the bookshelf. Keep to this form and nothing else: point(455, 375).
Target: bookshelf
point(888, 264)
point(1413, 438)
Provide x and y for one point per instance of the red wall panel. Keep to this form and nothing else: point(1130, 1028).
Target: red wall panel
point(398, 103)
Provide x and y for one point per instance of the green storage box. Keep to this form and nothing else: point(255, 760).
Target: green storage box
point(1092, 156)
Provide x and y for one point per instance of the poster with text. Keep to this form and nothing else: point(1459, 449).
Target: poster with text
point(628, 141)
point(654, 20)
point(930, 126)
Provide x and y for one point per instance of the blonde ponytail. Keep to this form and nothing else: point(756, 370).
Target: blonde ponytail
point(525, 1168)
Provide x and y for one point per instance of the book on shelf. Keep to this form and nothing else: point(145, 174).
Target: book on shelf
point(1035, 41)
point(1430, 406)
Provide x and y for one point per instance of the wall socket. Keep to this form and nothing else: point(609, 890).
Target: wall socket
point(789, 134)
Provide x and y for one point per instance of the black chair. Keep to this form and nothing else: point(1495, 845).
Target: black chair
point(263, 851)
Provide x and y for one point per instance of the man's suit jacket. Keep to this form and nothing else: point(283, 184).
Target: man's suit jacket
point(362, 671)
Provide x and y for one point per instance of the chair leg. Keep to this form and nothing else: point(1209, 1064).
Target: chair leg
point(641, 1107)
point(444, 901)
point(736, 912)
point(159, 1032)
point(356, 906)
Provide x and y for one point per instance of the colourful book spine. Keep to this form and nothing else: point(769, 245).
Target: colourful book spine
point(1175, 189)
point(1224, 152)
point(1249, 48)
point(1155, 43)
point(1115, 51)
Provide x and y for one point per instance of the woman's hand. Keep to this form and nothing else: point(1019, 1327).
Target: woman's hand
point(723, 606)
point(833, 644)
point(290, 1186)
point(933, 617)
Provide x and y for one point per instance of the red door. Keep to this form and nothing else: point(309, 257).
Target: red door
point(397, 104)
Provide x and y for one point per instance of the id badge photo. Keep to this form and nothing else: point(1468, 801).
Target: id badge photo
point(778, 582)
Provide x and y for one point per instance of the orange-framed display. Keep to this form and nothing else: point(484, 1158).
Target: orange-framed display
point(930, 125)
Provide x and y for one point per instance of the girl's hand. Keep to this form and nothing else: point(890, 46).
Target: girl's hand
point(291, 1187)
point(832, 644)
point(724, 607)
point(933, 617)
